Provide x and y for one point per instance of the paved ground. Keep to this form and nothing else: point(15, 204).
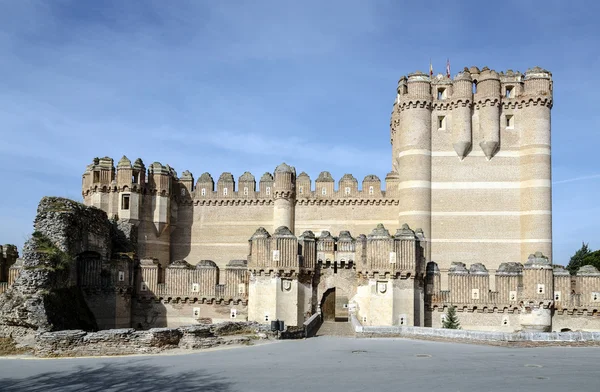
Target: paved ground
point(319, 364)
point(332, 328)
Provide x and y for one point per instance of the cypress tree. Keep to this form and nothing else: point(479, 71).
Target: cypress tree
point(451, 321)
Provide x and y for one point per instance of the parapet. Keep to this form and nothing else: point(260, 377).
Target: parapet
point(101, 176)
point(588, 270)
point(420, 89)
point(379, 233)
point(537, 261)
point(510, 268)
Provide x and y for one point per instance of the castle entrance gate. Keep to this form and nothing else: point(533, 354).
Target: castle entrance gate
point(328, 305)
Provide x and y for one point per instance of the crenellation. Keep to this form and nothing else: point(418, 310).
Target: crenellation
point(247, 186)
point(226, 186)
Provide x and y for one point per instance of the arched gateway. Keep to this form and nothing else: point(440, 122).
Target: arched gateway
point(378, 278)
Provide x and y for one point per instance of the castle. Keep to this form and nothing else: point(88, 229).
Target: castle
point(470, 184)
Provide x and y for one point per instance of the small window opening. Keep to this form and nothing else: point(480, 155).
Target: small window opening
point(371, 190)
point(441, 122)
point(441, 93)
point(96, 176)
point(540, 289)
point(347, 190)
point(268, 190)
point(509, 92)
point(266, 317)
point(233, 313)
point(323, 191)
point(505, 322)
point(335, 267)
point(510, 121)
point(125, 202)
point(301, 190)
point(196, 312)
point(203, 192)
point(224, 191)
point(182, 191)
point(474, 87)
point(245, 190)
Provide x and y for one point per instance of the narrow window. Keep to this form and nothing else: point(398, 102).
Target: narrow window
point(96, 176)
point(441, 93)
point(347, 190)
point(224, 191)
point(301, 190)
point(268, 190)
point(371, 190)
point(474, 87)
point(510, 121)
point(509, 92)
point(233, 313)
point(441, 122)
point(245, 190)
point(135, 178)
point(323, 191)
point(203, 192)
point(182, 191)
point(540, 289)
point(125, 202)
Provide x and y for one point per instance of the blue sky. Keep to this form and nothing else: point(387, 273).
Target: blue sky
point(243, 85)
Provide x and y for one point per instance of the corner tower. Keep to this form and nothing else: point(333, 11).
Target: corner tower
point(472, 157)
point(411, 149)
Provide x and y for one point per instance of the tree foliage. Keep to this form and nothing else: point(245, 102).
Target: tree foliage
point(583, 256)
point(451, 320)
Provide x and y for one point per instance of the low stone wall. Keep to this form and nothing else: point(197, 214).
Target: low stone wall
point(312, 324)
point(475, 336)
point(129, 341)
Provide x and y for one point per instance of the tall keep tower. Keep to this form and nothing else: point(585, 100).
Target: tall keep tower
point(473, 157)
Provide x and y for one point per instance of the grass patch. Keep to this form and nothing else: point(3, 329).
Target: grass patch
point(59, 260)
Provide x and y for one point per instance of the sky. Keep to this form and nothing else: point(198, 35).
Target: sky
point(244, 85)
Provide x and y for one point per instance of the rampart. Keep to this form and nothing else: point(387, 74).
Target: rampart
point(535, 295)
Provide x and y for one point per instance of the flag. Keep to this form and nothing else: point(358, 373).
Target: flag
point(448, 67)
point(430, 68)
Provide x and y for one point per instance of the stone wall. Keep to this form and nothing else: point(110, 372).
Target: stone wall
point(68, 268)
point(129, 341)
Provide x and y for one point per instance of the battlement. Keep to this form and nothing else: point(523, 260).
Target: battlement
point(378, 254)
point(200, 283)
point(102, 177)
point(536, 283)
point(474, 85)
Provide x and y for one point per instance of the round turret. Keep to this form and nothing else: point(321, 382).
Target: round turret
point(538, 81)
point(285, 197)
point(419, 86)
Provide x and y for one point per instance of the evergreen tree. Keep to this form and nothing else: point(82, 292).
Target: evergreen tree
point(451, 321)
point(577, 260)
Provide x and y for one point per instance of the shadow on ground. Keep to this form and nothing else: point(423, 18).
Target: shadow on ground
point(118, 377)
